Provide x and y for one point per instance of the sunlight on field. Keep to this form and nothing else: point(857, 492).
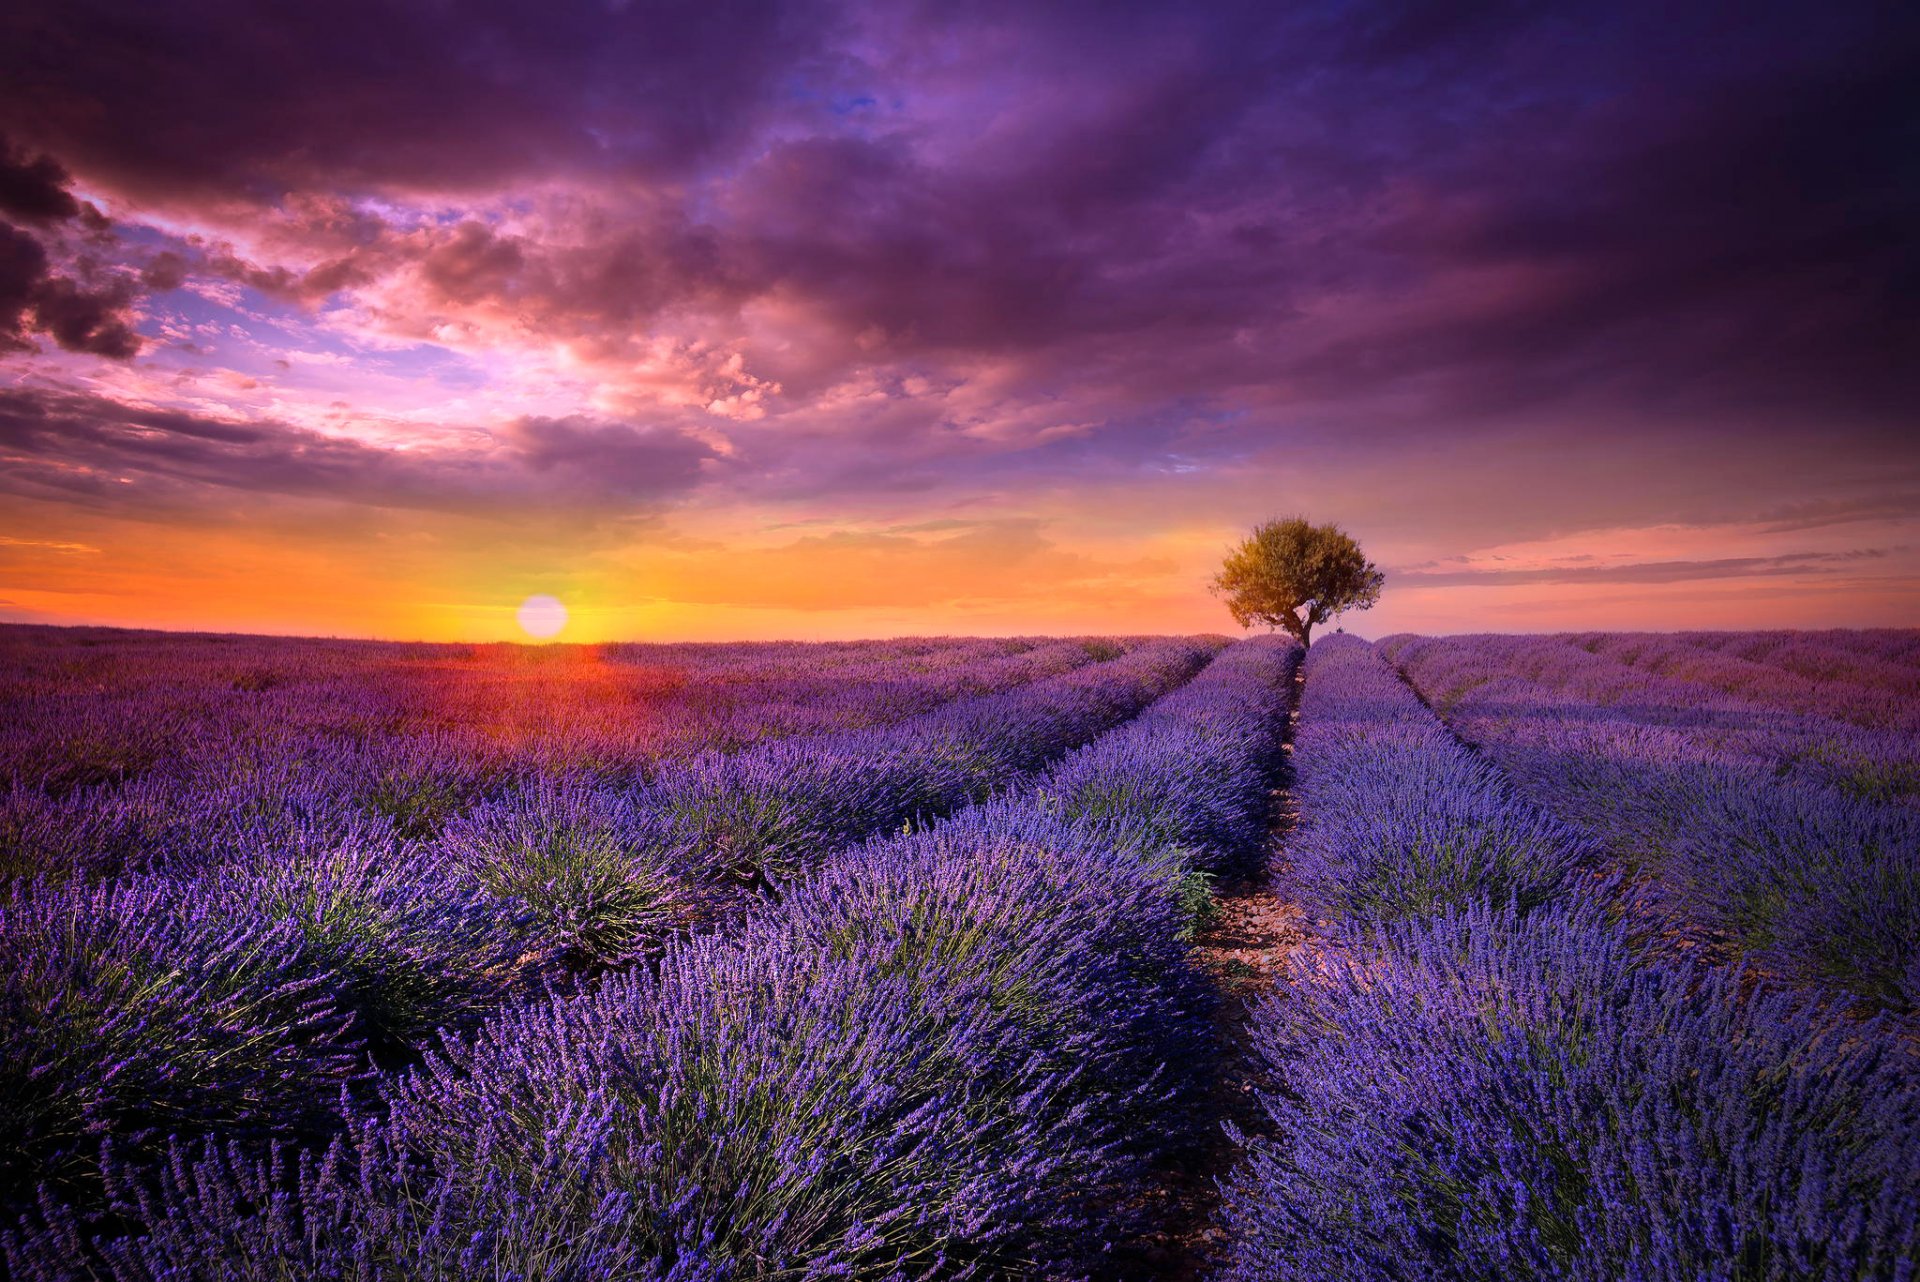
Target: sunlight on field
point(518, 696)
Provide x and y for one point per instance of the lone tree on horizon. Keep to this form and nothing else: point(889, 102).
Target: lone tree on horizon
point(1291, 574)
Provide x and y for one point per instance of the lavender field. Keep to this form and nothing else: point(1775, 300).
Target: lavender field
point(891, 960)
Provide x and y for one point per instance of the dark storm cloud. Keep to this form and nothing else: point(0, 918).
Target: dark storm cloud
point(1104, 221)
point(84, 320)
point(96, 452)
point(1739, 236)
point(80, 317)
point(23, 268)
point(33, 189)
point(221, 96)
point(1692, 216)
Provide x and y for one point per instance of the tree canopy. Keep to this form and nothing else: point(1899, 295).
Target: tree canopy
point(1292, 574)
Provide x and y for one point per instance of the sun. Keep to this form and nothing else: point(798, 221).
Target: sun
point(542, 616)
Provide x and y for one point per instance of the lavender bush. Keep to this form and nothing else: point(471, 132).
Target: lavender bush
point(1397, 819)
point(1481, 1095)
point(225, 1212)
point(943, 1054)
point(770, 1105)
point(600, 873)
point(135, 1010)
point(1728, 844)
point(403, 943)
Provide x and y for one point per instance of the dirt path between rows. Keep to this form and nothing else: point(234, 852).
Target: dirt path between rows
point(1244, 948)
point(1245, 951)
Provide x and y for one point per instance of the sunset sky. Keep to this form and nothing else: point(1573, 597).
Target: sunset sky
point(747, 320)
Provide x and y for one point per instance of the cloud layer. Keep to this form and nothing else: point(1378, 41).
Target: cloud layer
point(88, 314)
point(606, 277)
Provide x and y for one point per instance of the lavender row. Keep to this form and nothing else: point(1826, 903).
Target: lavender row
point(1193, 766)
point(1813, 680)
point(1878, 649)
point(945, 1054)
point(169, 766)
point(610, 873)
point(1876, 765)
point(360, 946)
point(1397, 818)
point(1811, 883)
point(1500, 1081)
point(1853, 657)
point(1486, 1095)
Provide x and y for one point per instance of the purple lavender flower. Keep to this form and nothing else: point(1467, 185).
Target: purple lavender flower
point(1728, 817)
point(134, 1010)
point(1397, 818)
point(1482, 1095)
point(602, 876)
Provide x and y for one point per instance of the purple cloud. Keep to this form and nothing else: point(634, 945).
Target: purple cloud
point(34, 189)
point(79, 317)
point(93, 451)
point(1475, 273)
point(1743, 567)
point(225, 99)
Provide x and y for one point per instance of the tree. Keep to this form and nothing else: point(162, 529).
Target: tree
point(1293, 575)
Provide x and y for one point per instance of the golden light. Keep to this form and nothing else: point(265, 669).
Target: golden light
point(542, 616)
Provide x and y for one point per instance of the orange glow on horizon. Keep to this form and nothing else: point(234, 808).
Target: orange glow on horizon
point(299, 570)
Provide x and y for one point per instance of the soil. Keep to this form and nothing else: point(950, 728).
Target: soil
point(1244, 948)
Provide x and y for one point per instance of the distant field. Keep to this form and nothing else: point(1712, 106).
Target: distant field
point(149, 746)
point(885, 959)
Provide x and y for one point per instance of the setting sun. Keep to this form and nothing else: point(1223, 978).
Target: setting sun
point(542, 616)
point(819, 638)
point(764, 330)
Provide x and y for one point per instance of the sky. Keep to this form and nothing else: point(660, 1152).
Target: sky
point(742, 320)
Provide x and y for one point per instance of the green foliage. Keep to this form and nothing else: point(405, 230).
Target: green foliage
point(1294, 575)
point(1197, 904)
point(418, 804)
point(600, 876)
